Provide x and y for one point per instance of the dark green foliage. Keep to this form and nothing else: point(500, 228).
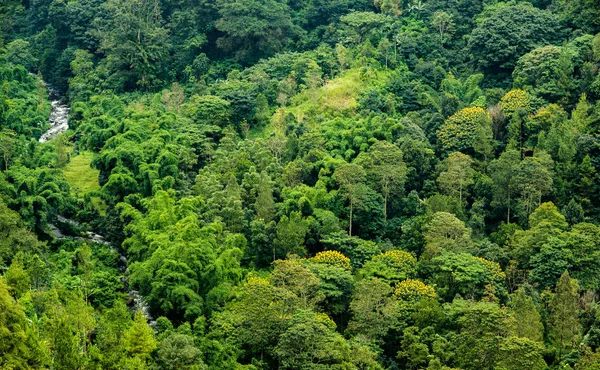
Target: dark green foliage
point(505, 33)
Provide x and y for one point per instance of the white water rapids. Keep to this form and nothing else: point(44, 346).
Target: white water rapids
point(59, 121)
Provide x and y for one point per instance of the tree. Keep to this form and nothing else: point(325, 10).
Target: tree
point(208, 110)
point(134, 40)
point(444, 23)
point(390, 7)
point(469, 129)
point(290, 235)
point(521, 353)
point(7, 145)
point(254, 28)
point(139, 341)
point(545, 72)
point(458, 175)
point(533, 180)
point(385, 169)
point(564, 328)
point(18, 52)
point(177, 351)
point(265, 205)
point(471, 277)
point(484, 326)
point(529, 322)
point(20, 346)
point(392, 266)
point(17, 278)
point(446, 232)
point(529, 28)
point(351, 178)
point(374, 311)
point(309, 340)
point(502, 172)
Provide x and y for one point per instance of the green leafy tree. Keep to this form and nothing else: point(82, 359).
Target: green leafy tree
point(458, 175)
point(177, 351)
point(20, 345)
point(545, 71)
point(351, 178)
point(529, 320)
point(444, 24)
point(139, 341)
point(564, 328)
point(469, 129)
point(309, 340)
point(385, 169)
point(445, 232)
point(502, 172)
point(529, 28)
point(290, 234)
point(134, 41)
point(254, 28)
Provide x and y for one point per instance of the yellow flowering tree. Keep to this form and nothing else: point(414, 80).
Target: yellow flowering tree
point(413, 290)
point(333, 258)
point(469, 129)
point(514, 101)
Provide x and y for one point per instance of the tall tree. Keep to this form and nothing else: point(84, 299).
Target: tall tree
point(385, 169)
point(351, 178)
point(529, 320)
point(502, 172)
point(254, 28)
point(564, 328)
point(134, 40)
point(458, 175)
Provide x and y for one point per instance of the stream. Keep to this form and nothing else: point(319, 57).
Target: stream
point(59, 116)
point(59, 123)
point(89, 237)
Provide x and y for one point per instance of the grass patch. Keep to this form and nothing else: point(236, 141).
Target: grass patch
point(84, 179)
point(80, 175)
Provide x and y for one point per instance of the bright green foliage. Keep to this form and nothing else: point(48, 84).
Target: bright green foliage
point(311, 339)
point(445, 232)
point(471, 277)
point(177, 351)
point(391, 266)
point(290, 236)
point(139, 341)
point(20, 346)
point(385, 169)
point(544, 71)
point(529, 322)
point(134, 41)
point(564, 327)
point(193, 214)
point(521, 353)
point(484, 326)
point(351, 178)
point(458, 176)
point(374, 310)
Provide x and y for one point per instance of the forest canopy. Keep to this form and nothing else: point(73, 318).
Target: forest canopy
point(283, 184)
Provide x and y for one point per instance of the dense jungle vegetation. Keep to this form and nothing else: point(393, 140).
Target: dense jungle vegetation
point(300, 184)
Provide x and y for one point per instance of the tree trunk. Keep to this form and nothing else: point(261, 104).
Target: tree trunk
point(350, 226)
point(508, 212)
point(385, 198)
